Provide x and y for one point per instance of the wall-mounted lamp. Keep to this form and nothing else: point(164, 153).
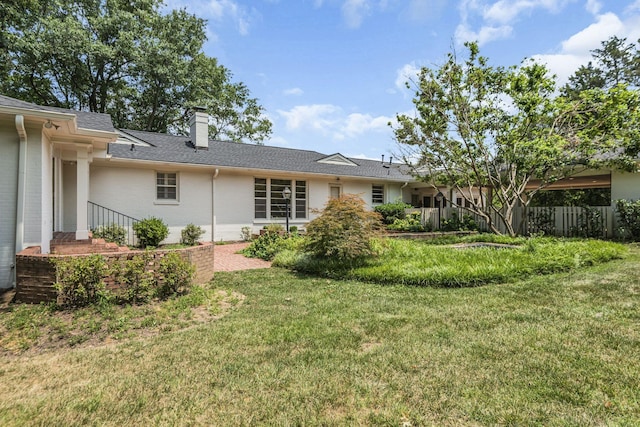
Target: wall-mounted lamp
point(49, 124)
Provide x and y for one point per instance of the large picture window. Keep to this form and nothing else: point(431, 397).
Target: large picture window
point(166, 186)
point(270, 202)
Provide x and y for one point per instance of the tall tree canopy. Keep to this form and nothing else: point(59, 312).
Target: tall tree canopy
point(126, 58)
point(503, 129)
point(616, 62)
point(606, 90)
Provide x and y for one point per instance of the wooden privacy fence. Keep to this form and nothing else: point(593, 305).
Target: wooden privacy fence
point(567, 221)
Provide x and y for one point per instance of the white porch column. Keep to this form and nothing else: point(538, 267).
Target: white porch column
point(82, 188)
point(58, 196)
point(22, 182)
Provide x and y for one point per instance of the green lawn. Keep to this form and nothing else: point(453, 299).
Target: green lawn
point(558, 349)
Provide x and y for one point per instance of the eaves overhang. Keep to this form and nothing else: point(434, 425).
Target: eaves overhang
point(193, 166)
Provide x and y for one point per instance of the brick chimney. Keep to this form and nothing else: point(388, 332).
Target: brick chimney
point(199, 128)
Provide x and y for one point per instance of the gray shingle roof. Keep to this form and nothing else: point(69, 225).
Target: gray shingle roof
point(85, 119)
point(178, 149)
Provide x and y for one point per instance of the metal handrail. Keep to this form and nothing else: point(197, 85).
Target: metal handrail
point(98, 215)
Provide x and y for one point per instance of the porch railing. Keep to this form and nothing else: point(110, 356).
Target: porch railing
point(98, 215)
point(597, 221)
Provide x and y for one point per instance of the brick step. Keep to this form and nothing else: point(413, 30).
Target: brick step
point(87, 246)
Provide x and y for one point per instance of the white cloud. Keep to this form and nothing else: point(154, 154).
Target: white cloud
point(576, 50)
point(357, 124)
point(633, 7)
point(408, 72)
point(330, 120)
point(354, 12)
point(593, 6)
point(294, 91)
point(582, 42)
point(496, 19)
point(485, 35)
point(322, 117)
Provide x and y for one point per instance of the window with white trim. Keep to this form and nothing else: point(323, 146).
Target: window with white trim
point(166, 186)
point(269, 202)
point(301, 199)
point(278, 204)
point(377, 194)
point(260, 196)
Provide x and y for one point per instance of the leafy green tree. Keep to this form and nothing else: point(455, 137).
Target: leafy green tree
point(606, 100)
point(493, 130)
point(125, 58)
point(479, 127)
point(616, 62)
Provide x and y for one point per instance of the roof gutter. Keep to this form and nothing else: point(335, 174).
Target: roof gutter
point(54, 115)
point(174, 165)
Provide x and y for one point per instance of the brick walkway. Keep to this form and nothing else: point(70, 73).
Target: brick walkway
point(226, 259)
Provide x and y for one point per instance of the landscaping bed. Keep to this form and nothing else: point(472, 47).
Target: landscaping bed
point(433, 263)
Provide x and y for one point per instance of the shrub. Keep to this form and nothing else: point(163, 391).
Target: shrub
point(412, 222)
point(343, 230)
point(392, 211)
point(136, 281)
point(456, 224)
point(191, 234)
point(114, 233)
point(267, 245)
point(275, 228)
point(629, 219)
point(175, 275)
point(80, 280)
point(150, 232)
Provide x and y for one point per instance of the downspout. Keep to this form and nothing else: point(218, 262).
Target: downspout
point(213, 205)
point(402, 188)
point(22, 181)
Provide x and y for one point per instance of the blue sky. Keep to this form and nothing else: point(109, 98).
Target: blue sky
point(331, 73)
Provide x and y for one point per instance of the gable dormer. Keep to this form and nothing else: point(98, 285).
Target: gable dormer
point(337, 159)
point(125, 138)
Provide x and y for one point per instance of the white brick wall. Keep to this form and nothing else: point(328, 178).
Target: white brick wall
point(9, 146)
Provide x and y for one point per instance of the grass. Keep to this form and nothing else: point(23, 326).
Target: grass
point(430, 263)
point(559, 349)
point(45, 327)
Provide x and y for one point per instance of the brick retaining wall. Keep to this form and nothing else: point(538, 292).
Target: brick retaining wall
point(36, 272)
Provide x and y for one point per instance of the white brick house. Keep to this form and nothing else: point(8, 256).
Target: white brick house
point(54, 163)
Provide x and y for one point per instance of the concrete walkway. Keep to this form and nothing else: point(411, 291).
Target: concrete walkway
point(225, 258)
